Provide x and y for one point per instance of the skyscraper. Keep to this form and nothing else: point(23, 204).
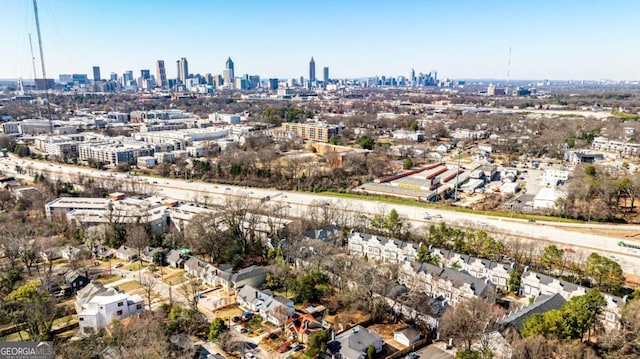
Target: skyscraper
point(96, 73)
point(183, 69)
point(325, 75)
point(312, 70)
point(228, 74)
point(161, 73)
point(145, 74)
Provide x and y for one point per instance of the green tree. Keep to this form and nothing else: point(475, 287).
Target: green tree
point(407, 163)
point(576, 317)
point(366, 142)
point(413, 126)
point(216, 328)
point(606, 272)
point(590, 171)
point(514, 281)
point(317, 343)
point(371, 351)
point(424, 256)
point(335, 140)
point(552, 257)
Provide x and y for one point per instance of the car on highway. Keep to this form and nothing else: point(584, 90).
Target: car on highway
point(437, 216)
point(118, 265)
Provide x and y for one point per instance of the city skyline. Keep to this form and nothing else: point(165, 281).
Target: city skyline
point(571, 40)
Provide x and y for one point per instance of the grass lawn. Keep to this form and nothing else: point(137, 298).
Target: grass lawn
point(15, 337)
point(109, 279)
point(65, 320)
point(135, 266)
point(177, 277)
point(229, 312)
point(129, 286)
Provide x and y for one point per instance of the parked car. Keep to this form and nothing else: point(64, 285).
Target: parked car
point(298, 347)
point(284, 348)
point(412, 355)
point(250, 356)
point(235, 319)
point(240, 329)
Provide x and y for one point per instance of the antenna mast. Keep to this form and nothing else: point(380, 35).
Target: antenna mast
point(44, 73)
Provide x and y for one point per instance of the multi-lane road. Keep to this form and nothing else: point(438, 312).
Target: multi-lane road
point(297, 204)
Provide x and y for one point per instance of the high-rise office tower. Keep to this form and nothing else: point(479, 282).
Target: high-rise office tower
point(161, 73)
point(325, 75)
point(145, 74)
point(113, 76)
point(96, 73)
point(183, 69)
point(312, 71)
point(228, 74)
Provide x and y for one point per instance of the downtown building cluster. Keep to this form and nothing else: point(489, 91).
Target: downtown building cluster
point(187, 82)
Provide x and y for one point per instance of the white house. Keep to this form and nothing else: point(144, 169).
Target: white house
point(273, 309)
point(101, 310)
point(382, 248)
point(407, 336)
point(547, 198)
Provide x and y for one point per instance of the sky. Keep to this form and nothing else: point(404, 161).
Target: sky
point(556, 40)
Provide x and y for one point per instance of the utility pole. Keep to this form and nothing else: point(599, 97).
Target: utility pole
point(458, 173)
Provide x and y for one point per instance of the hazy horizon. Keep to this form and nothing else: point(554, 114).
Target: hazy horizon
point(565, 41)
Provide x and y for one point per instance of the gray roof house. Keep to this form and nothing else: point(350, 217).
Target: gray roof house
point(407, 336)
point(496, 272)
point(451, 284)
point(541, 304)
point(74, 281)
point(148, 253)
point(176, 259)
point(126, 253)
point(331, 234)
point(535, 284)
point(353, 343)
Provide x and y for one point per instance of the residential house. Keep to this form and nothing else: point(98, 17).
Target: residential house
point(381, 248)
point(103, 252)
point(415, 306)
point(497, 273)
point(407, 336)
point(300, 326)
point(451, 284)
point(273, 309)
point(74, 281)
point(223, 276)
point(354, 343)
point(196, 267)
point(126, 253)
point(148, 253)
point(578, 157)
point(100, 310)
point(535, 284)
point(330, 234)
point(176, 258)
point(542, 304)
point(71, 253)
point(91, 290)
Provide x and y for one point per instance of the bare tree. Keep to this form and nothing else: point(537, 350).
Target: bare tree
point(149, 284)
point(466, 322)
point(191, 292)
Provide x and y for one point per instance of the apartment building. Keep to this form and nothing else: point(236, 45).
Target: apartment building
point(311, 131)
point(381, 248)
point(619, 147)
point(115, 153)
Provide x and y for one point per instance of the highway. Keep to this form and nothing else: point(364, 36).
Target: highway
point(297, 204)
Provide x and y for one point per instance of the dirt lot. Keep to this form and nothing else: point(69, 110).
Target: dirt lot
point(346, 319)
point(623, 234)
point(386, 331)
